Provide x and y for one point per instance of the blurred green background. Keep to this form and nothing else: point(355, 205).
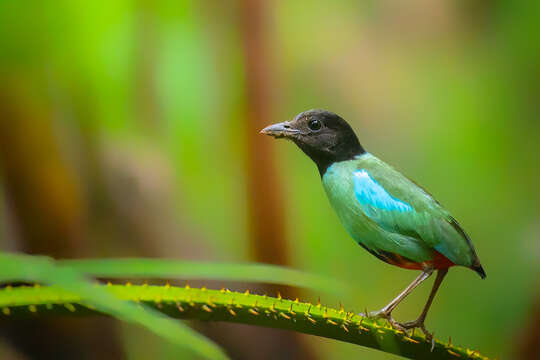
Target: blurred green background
point(130, 128)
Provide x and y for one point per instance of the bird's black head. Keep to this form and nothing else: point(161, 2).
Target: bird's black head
point(324, 136)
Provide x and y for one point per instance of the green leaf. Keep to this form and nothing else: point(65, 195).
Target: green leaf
point(44, 270)
point(246, 308)
point(163, 268)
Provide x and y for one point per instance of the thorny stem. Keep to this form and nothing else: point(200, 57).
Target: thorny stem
point(224, 305)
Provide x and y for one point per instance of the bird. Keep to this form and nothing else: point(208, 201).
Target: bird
point(385, 212)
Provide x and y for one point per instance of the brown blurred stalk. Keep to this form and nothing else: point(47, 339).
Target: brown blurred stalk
point(267, 226)
point(265, 192)
point(529, 336)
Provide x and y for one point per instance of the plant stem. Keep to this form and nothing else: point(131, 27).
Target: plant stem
point(224, 305)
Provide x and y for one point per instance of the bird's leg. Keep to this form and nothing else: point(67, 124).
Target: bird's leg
point(386, 312)
point(419, 323)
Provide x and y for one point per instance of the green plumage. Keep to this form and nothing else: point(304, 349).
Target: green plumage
point(412, 234)
point(385, 212)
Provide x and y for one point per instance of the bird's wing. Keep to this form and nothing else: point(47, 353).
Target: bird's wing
point(399, 206)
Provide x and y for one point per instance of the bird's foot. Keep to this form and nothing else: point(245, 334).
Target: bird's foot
point(381, 314)
point(419, 323)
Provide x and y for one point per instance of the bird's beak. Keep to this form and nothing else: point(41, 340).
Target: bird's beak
point(280, 130)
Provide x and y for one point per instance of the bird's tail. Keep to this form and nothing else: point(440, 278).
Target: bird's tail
point(479, 270)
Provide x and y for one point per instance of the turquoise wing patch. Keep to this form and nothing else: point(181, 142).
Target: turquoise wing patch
point(373, 197)
point(390, 213)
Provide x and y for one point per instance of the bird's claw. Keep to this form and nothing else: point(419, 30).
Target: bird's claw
point(384, 315)
point(396, 325)
point(404, 327)
point(419, 323)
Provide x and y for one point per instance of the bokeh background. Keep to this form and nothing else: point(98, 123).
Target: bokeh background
point(130, 128)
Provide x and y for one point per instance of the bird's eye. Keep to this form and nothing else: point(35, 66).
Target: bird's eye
point(314, 124)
